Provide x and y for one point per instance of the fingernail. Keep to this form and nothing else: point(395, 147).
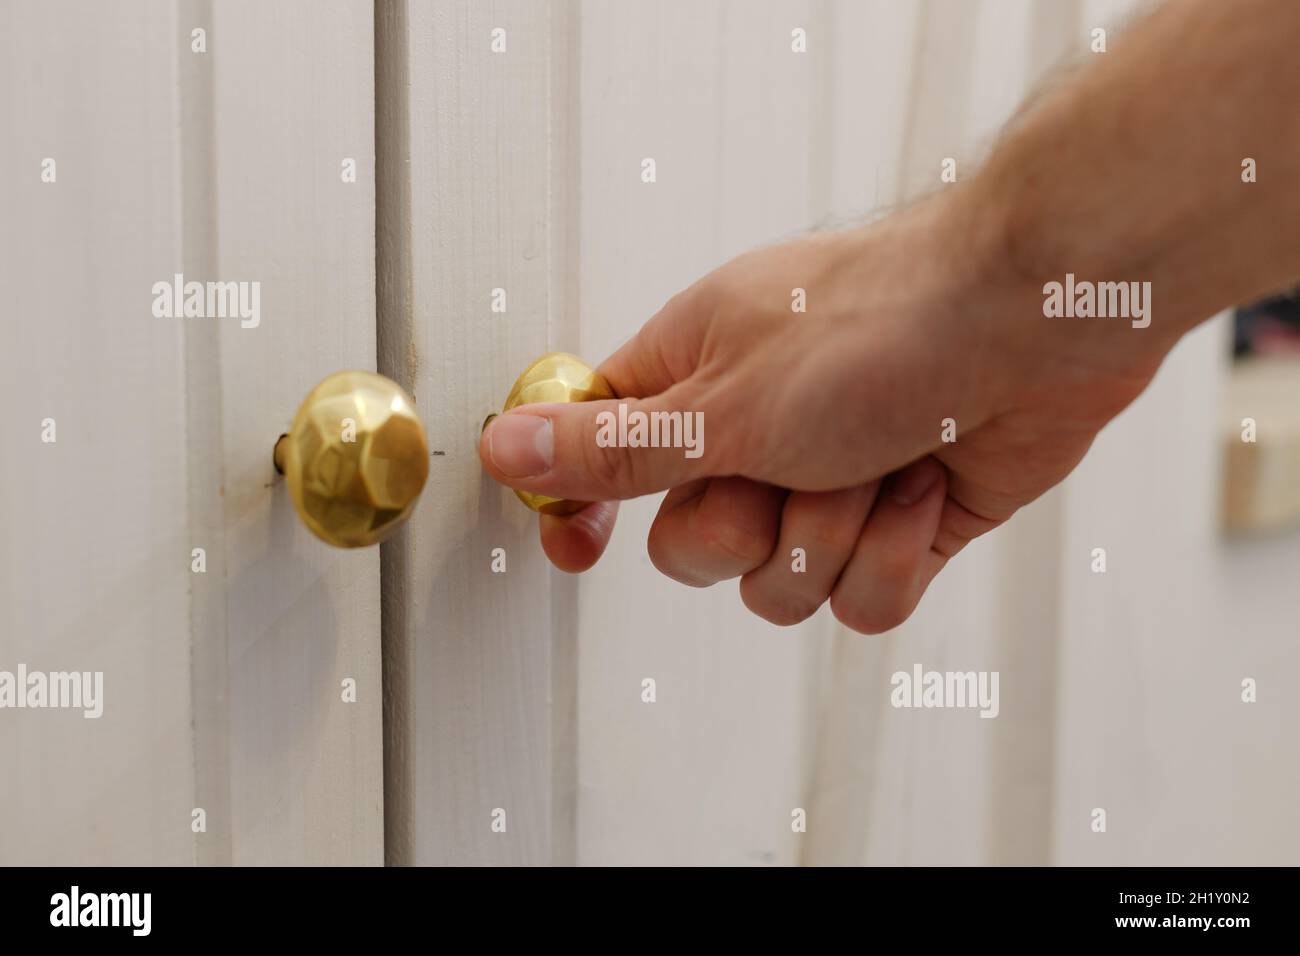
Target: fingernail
point(521, 446)
point(911, 484)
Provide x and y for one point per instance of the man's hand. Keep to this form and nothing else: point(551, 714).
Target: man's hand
point(825, 430)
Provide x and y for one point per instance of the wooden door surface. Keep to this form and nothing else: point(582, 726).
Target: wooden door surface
point(475, 154)
point(147, 538)
point(513, 220)
point(443, 191)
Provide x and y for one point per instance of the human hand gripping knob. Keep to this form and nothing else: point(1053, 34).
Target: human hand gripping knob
point(822, 430)
point(926, 394)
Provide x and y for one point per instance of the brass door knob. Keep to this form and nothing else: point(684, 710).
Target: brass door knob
point(556, 377)
point(355, 459)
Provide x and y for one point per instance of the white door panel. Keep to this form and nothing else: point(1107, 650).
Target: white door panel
point(221, 689)
point(478, 665)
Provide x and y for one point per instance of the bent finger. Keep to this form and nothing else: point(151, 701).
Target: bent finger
point(575, 542)
point(893, 560)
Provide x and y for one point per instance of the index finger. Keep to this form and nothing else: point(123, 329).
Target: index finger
point(663, 352)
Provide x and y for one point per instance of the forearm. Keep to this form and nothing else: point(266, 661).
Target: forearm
point(1132, 170)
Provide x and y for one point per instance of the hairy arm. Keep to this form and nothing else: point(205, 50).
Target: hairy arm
point(1133, 170)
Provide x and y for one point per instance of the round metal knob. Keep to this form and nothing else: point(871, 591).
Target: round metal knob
point(556, 377)
point(355, 459)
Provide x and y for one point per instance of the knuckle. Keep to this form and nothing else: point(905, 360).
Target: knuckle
point(867, 616)
point(612, 468)
point(848, 614)
point(829, 537)
point(659, 548)
point(819, 531)
point(665, 554)
point(745, 546)
point(781, 607)
point(679, 301)
point(895, 570)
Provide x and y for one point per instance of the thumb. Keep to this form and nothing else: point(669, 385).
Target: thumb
point(598, 451)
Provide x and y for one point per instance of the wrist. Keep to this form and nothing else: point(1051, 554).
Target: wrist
point(1046, 287)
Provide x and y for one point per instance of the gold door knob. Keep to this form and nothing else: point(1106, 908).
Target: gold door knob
point(556, 377)
point(355, 459)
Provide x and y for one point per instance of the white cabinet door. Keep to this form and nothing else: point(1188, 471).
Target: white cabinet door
point(510, 138)
point(474, 173)
point(133, 149)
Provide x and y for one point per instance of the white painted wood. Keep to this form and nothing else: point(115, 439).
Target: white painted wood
point(222, 689)
point(502, 170)
point(95, 572)
point(897, 786)
point(292, 97)
point(710, 773)
point(474, 165)
point(1119, 691)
